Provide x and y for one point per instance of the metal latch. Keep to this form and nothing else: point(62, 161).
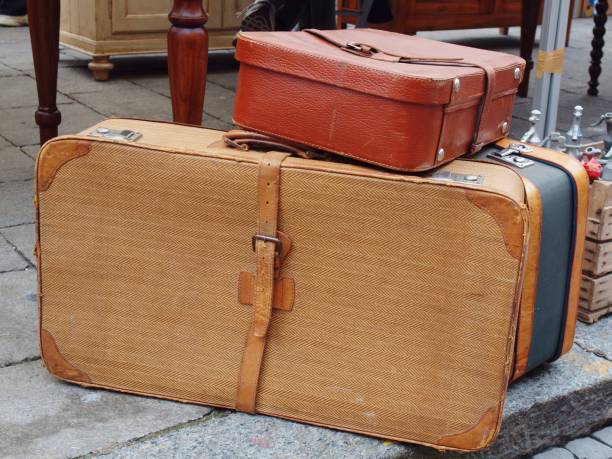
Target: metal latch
point(512, 155)
point(116, 134)
point(456, 177)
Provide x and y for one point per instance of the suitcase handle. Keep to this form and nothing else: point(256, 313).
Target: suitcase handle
point(248, 140)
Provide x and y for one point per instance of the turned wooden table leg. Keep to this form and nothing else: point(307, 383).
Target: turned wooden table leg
point(530, 12)
point(600, 17)
point(44, 34)
point(187, 60)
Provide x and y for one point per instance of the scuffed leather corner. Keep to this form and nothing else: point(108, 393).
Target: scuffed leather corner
point(56, 363)
point(478, 437)
point(508, 216)
point(54, 155)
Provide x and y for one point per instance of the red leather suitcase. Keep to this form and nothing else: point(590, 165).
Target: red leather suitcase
point(402, 102)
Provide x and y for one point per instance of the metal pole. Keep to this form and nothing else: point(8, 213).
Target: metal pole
point(548, 87)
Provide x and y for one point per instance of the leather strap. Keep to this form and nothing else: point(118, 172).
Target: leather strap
point(266, 248)
point(365, 50)
point(369, 51)
point(248, 140)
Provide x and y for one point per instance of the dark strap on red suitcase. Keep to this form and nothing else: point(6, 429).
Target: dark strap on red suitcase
point(372, 52)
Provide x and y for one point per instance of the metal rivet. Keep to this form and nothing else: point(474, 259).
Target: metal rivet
point(505, 127)
point(457, 85)
point(471, 178)
point(440, 155)
point(103, 130)
point(517, 73)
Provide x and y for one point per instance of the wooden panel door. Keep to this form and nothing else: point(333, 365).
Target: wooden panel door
point(231, 11)
point(140, 15)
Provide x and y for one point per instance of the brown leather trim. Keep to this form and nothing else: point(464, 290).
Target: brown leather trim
point(284, 292)
point(477, 437)
point(508, 216)
point(55, 361)
point(530, 282)
point(54, 155)
point(581, 180)
point(268, 196)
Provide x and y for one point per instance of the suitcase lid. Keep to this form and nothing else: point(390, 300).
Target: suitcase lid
point(386, 64)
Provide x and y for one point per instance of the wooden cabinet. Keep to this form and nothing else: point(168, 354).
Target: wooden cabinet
point(102, 28)
point(411, 16)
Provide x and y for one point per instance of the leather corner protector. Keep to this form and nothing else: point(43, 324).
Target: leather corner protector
point(508, 216)
point(56, 363)
point(477, 437)
point(284, 292)
point(54, 155)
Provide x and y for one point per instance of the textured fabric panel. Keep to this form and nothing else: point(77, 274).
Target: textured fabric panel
point(404, 310)
point(140, 268)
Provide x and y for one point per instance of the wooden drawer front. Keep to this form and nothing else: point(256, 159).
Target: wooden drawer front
point(429, 8)
point(140, 15)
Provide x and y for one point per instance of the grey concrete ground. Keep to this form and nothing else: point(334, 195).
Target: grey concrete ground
point(43, 417)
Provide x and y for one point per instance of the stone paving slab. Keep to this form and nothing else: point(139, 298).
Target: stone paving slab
point(15, 165)
point(596, 338)
point(22, 238)
point(18, 319)
point(588, 448)
point(604, 436)
point(229, 435)
point(44, 417)
point(6, 71)
point(16, 205)
point(10, 260)
point(18, 126)
point(555, 453)
point(31, 150)
point(22, 92)
point(136, 101)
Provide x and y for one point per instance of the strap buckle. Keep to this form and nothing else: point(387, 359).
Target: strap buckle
point(360, 48)
point(277, 242)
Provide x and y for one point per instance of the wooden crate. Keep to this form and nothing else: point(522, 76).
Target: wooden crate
point(596, 287)
point(599, 224)
point(597, 257)
point(595, 297)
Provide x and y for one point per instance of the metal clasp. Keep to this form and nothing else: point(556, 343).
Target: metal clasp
point(512, 155)
point(277, 242)
point(116, 134)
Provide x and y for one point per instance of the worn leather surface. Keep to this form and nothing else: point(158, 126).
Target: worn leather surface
point(337, 101)
point(56, 363)
point(53, 156)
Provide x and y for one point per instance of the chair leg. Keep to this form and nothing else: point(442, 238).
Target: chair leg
point(530, 12)
point(187, 60)
point(44, 34)
point(600, 17)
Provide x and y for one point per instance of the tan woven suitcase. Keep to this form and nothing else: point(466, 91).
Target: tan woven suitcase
point(394, 301)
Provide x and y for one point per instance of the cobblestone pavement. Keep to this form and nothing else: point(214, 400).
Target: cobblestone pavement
point(43, 417)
